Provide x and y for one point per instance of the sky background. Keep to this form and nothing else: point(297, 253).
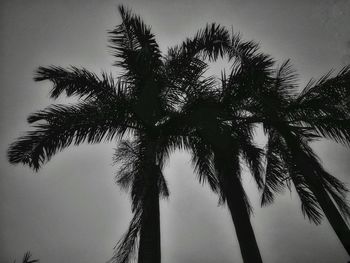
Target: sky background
point(71, 210)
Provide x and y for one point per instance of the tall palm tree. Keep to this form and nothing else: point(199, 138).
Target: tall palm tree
point(218, 162)
point(106, 110)
point(255, 93)
point(321, 109)
point(217, 145)
point(292, 121)
point(140, 104)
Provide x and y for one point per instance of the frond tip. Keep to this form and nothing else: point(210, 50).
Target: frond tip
point(127, 246)
point(27, 258)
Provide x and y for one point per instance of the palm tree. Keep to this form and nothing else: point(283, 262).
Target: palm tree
point(166, 103)
point(218, 162)
point(292, 121)
point(106, 110)
point(317, 189)
point(133, 175)
point(173, 129)
point(216, 145)
point(141, 104)
point(255, 93)
point(321, 109)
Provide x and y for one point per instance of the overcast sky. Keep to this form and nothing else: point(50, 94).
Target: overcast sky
point(71, 210)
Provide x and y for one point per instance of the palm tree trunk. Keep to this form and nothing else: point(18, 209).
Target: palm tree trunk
point(149, 246)
point(240, 217)
point(329, 208)
point(234, 194)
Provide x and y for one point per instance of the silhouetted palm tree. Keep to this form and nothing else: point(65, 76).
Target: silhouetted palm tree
point(321, 109)
point(292, 120)
point(218, 145)
point(108, 109)
point(216, 156)
point(167, 103)
point(140, 103)
point(256, 93)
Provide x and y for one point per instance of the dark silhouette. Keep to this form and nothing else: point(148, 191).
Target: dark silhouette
point(321, 109)
point(216, 145)
point(141, 103)
point(161, 103)
point(107, 110)
point(292, 120)
point(27, 258)
point(255, 93)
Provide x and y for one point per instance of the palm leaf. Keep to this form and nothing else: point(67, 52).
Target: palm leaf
point(79, 82)
point(253, 157)
point(210, 42)
point(202, 160)
point(26, 258)
point(126, 248)
point(59, 126)
point(276, 172)
point(134, 45)
point(324, 106)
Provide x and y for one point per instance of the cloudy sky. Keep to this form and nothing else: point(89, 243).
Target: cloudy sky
point(71, 210)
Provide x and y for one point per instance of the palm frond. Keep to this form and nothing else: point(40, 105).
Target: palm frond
point(185, 65)
point(211, 42)
point(337, 191)
point(331, 128)
point(284, 169)
point(247, 87)
point(310, 166)
point(286, 76)
point(285, 85)
point(127, 156)
point(166, 145)
point(79, 82)
point(59, 126)
point(126, 248)
point(248, 54)
point(185, 74)
point(26, 258)
point(253, 158)
point(309, 204)
point(131, 173)
point(202, 160)
point(333, 186)
point(276, 171)
point(324, 106)
point(134, 45)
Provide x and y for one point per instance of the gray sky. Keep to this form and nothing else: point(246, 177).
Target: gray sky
point(71, 211)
